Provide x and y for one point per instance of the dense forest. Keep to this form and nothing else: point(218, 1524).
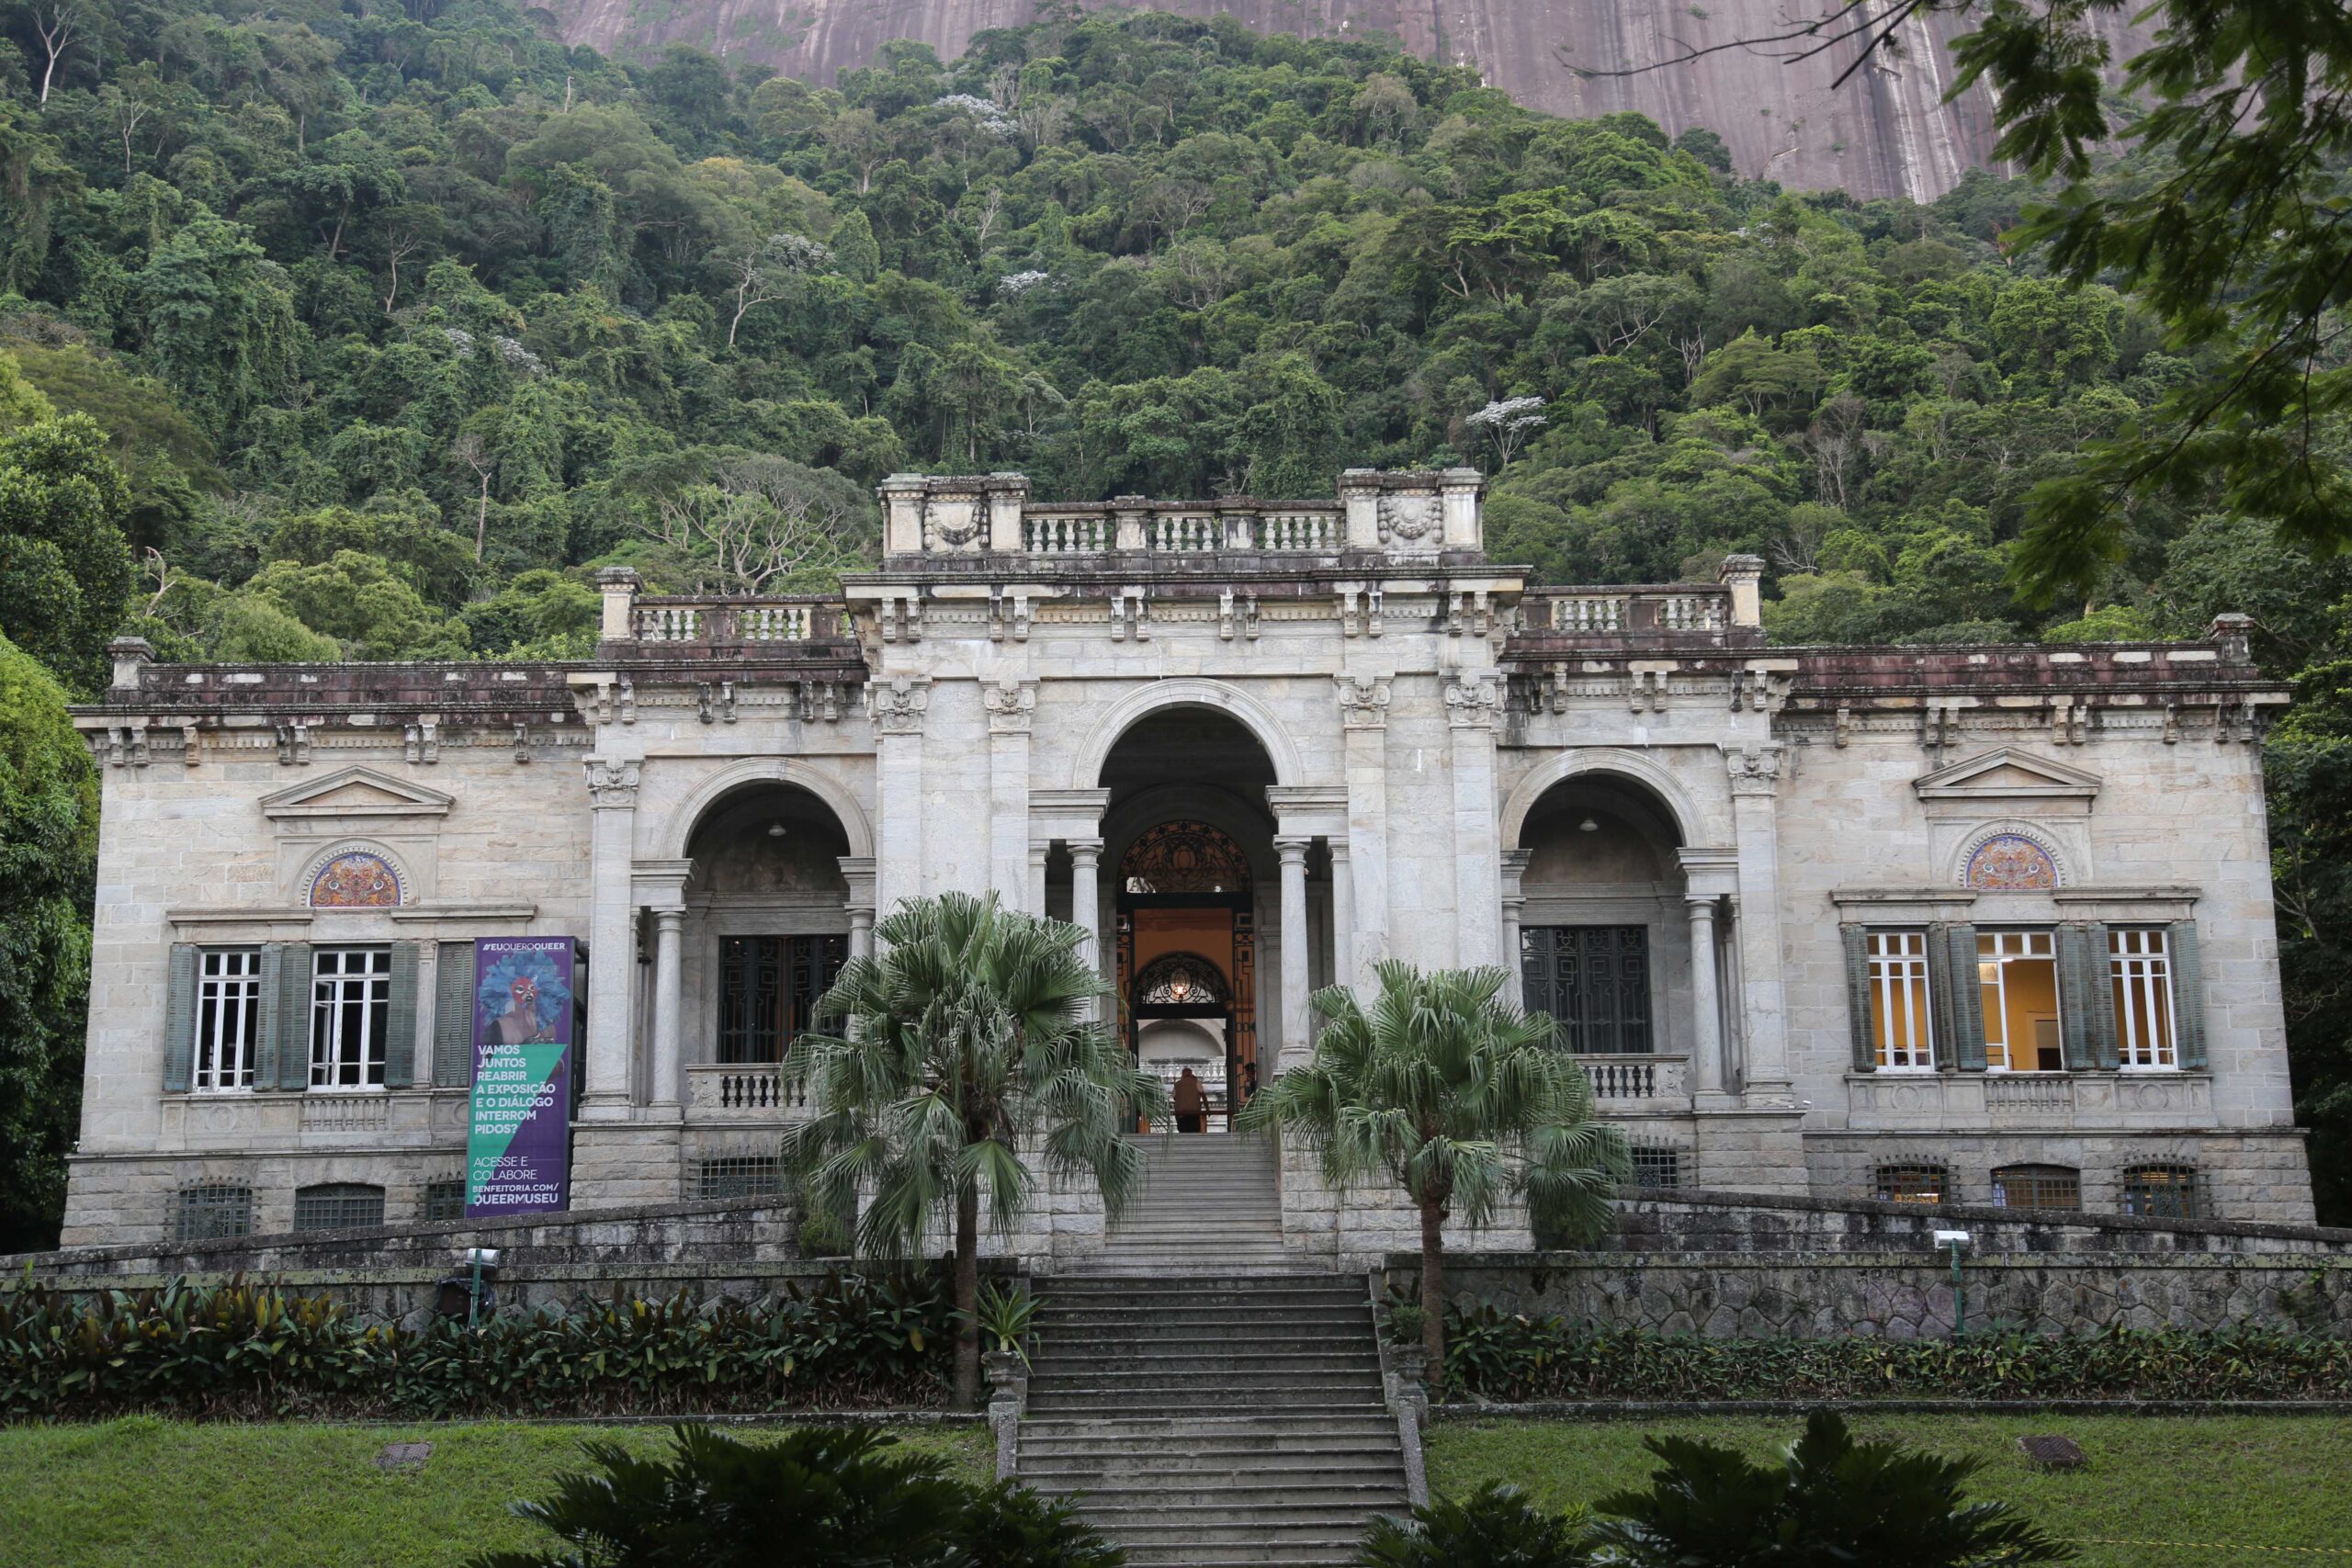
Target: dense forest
point(366, 330)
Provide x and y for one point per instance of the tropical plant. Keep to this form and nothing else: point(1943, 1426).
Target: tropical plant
point(1831, 1500)
point(969, 1051)
point(1443, 1089)
point(1007, 1314)
point(1009, 1526)
point(1495, 1526)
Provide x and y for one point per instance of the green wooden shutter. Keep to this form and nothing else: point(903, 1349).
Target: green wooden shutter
point(2081, 981)
point(1967, 998)
point(273, 960)
point(1857, 997)
point(2188, 994)
point(293, 1011)
point(179, 1020)
point(1941, 1014)
point(453, 1017)
point(2105, 1049)
point(400, 1019)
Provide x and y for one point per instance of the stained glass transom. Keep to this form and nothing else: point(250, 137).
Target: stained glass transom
point(1185, 857)
point(356, 880)
point(2011, 863)
point(1182, 979)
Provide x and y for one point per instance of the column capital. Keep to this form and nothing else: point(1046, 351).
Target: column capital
point(1292, 846)
point(1473, 699)
point(1011, 704)
point(669, 917)
point(1701, 905)
point(612, 784)
point(1363, 702)
point(898, 704)
point(1084, 851)
point(1755, 769)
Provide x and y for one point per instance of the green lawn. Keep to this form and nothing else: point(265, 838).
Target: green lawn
point(144, 1490)
point(2201, 1490)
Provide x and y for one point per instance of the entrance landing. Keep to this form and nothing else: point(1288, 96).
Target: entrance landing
point(1210, 1204)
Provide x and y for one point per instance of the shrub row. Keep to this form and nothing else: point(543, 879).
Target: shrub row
point(1495, 1356)
point(240, 1349)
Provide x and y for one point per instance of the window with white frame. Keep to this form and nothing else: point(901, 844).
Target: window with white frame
point(351, 1004)
point(2139, 964)
point(228, 1019)
point(2018, 973)
point(1899, 1023)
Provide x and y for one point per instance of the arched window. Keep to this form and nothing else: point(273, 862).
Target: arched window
point(338, 1206)
point(1182, 979)
point(355, 879)
point(1913, 1182)
point(2162, 1192)
point(1184, 857)
point(2011, 863)
point(2038, 1187)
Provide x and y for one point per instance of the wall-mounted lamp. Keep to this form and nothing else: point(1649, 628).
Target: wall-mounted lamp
point(1588, 826)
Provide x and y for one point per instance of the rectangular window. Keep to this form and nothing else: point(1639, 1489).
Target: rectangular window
point(740, 1175)
point(351, 1004)
point(445, 1199)
point(204, 1213)
point(1595, 980)
point(338, 1206)
point(1899, 1012)
point(2017, 972)
point(2139, 966)
point(2162, 1192)
point(2038, 1187)
point(768, 988)
point(1656, 1167)
point(1911, 1183)
point(228, 1019)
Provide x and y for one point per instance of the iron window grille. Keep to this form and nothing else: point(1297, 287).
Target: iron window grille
point(1913, 1183)
point(740, 1175)
point(351, 1004)
point(1656, 1167)
point(215, 1210)
point(2038, 1187)
point(338, 1206)
point(2163, 1193)
point(445, 1199)
point(228, 1019)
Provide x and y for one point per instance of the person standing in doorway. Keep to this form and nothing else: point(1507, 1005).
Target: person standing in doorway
point(1187, 1099)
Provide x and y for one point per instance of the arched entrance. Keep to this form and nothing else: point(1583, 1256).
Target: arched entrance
point(766, 919)
point(1188, 955)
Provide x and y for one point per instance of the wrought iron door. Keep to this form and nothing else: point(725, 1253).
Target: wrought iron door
point(768, 988)
point(1595, 980)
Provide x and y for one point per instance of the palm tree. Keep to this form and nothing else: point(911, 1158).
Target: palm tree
point(1446, 1089)
point(967, 1049)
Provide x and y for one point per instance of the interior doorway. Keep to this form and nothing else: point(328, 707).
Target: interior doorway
point(1187, 964)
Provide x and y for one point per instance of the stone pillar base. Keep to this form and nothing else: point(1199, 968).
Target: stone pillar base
point(616, 1166)
point(1749, 1150)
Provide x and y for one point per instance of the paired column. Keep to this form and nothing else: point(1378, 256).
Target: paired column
point(669, 938)
point(1292, 850)
point(1343, 914)
point(857, 872)
point(1085, 900)
point(1514, 865)
point(612, 939)
point(1706, 1000)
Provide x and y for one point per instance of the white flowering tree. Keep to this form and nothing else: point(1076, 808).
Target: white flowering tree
point(1509, 424)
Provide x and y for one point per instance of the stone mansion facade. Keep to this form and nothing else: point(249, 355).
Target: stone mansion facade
point(1989, 924)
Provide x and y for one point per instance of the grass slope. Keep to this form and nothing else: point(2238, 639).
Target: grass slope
point(2251, 1485)
point(142, 1491)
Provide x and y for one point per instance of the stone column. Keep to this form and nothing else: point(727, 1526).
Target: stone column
point(1364, 716)
point(1706, 1001)
point(1085, 906)
point(857, 872)
point(1010, 703)
point(1514, 868)
point(612, 939)
point(897, 707)
point(1034, 898)
point(1473, 699)
point(1343, 914)
point(669, 938)
point(1293, 851)
point(1755, 779)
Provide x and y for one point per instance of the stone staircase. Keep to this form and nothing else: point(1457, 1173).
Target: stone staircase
point(1209, 1402)
point(1209, 1205)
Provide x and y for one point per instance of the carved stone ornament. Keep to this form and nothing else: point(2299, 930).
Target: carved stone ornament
point(612, 786)
point(1755, 769)
point(1010, 705)
point(940, 533)
point(897, 705)
point(1408, 519)
point(1473, 700)
point(1363, 703)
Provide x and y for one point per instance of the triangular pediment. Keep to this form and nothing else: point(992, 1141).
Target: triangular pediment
point(2008, 774)
point(357, 792)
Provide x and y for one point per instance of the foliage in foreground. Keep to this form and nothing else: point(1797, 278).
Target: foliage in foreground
point(1496, 1356)
point(1495, 1526)
point(239, 1349)
point(1830, 1500)
point(834, 1497)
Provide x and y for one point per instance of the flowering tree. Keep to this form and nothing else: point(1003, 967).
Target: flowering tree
point(1509, 423)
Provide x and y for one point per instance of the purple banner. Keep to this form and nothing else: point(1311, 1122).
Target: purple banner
point(518, 1145)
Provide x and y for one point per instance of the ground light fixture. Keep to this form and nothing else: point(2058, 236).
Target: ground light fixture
point(1956, 1243)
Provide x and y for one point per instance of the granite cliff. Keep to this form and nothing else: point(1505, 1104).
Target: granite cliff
point(1887, 131)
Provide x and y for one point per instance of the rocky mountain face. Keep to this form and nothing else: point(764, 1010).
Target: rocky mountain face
point(1887, 131)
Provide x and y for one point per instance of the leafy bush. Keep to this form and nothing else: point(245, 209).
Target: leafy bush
point(243, 1349)
point(1496, 1527)
point(834, 1497)
point(1830, 1500)
point(1495, 1356)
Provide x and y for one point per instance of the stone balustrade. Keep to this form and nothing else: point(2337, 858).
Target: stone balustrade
point(1675, 609)
point(744, 1091)
point(1636, 1083)
point(726, 622)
